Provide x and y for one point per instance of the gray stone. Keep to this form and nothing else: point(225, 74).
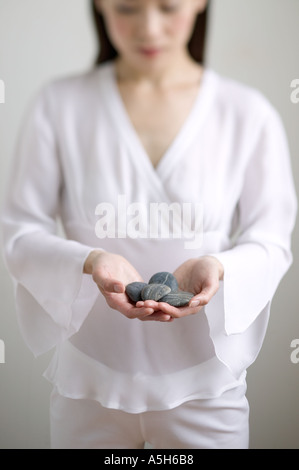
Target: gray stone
point(165, 278)
point(177, 299)
point(154, 291)
point(134, 290)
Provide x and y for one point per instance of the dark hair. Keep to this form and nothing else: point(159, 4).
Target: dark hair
point(107, 52)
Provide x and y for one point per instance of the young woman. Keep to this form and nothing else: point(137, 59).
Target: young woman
point(149, 127)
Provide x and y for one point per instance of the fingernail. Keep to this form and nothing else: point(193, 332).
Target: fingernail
point(195, 303)
point(118, 289)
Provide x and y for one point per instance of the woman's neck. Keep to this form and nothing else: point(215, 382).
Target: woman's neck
point(182, 70)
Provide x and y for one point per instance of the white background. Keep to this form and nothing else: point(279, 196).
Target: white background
point(253, 41)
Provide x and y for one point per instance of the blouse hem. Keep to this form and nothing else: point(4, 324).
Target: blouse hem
point(75, 375)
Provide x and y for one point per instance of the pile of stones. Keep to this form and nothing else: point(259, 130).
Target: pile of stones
point(162, 287)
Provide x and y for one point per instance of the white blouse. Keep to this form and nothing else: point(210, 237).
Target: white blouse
point(79, 157)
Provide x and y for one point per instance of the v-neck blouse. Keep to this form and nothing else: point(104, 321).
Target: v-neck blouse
point(79, 156)
point(176, 149)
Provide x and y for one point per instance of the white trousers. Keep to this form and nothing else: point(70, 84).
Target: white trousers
point(218, 423)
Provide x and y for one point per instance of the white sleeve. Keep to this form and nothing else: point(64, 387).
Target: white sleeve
point(53, 296)
point(261, 254)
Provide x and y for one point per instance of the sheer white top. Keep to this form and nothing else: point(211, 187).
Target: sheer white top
point(78, 149)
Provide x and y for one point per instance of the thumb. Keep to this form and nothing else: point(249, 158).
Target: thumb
point(204, 297)
point(109, 285)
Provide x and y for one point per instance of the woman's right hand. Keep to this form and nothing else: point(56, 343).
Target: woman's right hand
point(111, 273)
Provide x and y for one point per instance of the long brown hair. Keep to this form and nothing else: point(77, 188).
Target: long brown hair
point(107, 52)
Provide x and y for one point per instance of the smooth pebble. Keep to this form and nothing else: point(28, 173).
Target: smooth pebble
point(134, 290)
point(177, 299)
point(165, 278)
point(154, 291)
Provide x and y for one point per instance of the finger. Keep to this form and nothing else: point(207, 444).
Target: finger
point(148, 303)
point(110, 285)
point(122, 303)
point(179, 312)
point(175, 312)
point(204, 297)
point(167, 309)
point(158, 316)
point(140, 313)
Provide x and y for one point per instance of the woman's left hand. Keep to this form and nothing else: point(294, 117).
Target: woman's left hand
point(199, 276)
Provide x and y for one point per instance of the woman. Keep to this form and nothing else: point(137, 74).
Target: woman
point(103, 150)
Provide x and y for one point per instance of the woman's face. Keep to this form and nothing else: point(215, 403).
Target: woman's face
point(147, 33)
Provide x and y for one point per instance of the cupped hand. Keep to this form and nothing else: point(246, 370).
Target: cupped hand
point(199, 276)
point(111, 273)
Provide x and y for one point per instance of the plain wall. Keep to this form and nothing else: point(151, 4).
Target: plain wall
point(253, 41)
